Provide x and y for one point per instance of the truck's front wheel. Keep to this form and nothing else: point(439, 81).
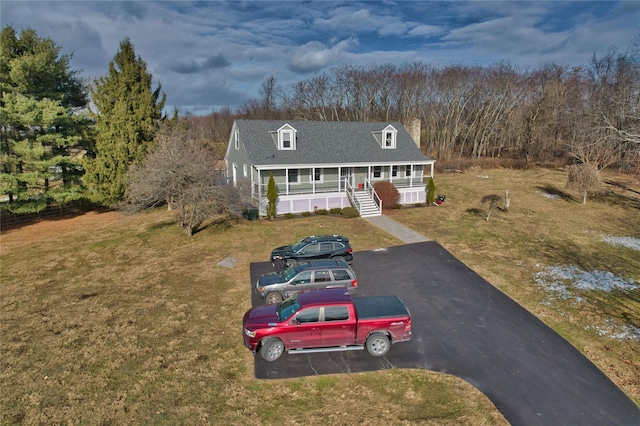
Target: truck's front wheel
point(378, 344)
point(271, 349)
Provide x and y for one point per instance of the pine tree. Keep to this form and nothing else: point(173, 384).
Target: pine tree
point(431, 191)
point(272, 197)
point(43, 128)
point(127, 112)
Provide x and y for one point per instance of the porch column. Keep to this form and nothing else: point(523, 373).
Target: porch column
point(313, 180)
point(411, 175)
point(286, 181)
point(253, 190)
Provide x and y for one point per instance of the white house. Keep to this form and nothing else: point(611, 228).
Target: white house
point(326, 164)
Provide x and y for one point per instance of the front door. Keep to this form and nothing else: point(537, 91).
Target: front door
point(346, 175)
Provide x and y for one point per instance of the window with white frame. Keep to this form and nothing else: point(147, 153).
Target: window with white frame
point(293, 176)
point(286, 138)
point(317, 175)
point(394, 171)
point(236, 137)
point(244, 170)
point(377, 171)
point(408, 170)
point(389, 138)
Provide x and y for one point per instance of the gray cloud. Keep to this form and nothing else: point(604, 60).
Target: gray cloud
point(314, 56)
point(192, 66)
point(218, 53)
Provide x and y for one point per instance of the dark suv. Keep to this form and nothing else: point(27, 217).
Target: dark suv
point(312, 247)
point(274, 287)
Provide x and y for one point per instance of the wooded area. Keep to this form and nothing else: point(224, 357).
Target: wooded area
point(589, 113)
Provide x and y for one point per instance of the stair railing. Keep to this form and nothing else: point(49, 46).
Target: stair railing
point(351, 194)
point(374, 195)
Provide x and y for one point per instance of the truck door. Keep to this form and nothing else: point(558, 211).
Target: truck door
point(338, 329)
point(305, 331)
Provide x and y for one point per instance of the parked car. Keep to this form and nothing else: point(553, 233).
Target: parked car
point(324, 321)
point(326, 273)
point(312, 247)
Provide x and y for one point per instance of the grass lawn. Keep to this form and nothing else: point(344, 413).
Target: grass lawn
point(114, 319)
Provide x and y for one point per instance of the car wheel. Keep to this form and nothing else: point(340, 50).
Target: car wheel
point(291, 262)
point(273, 298)
point(378, 344)
point(272, 349)
point(339, 258)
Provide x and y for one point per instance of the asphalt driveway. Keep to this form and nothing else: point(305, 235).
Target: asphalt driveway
point(464, 326)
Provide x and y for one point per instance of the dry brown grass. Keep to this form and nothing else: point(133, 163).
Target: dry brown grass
point(113, 319)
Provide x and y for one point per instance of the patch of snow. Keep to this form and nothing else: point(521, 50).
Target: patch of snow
point(547, 195)
point(563, 282)
point(562, 277)
point(227, 262)
point(614, 331)
point(628, 242)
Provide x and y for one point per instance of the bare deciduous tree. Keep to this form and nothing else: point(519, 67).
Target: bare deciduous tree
point(181, 173)
point(493, 200)
point(584, 178)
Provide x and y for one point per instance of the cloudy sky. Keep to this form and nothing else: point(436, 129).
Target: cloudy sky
point(213, 54)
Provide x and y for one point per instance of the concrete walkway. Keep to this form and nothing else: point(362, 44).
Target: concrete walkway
point(396, 229)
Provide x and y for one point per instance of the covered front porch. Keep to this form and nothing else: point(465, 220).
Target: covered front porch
point(315, 188)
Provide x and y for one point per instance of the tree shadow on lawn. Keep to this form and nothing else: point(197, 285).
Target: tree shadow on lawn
point(552, 190)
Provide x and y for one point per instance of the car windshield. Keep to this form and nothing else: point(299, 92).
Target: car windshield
point(287, 308)
point(297, 246)
point(288, 273)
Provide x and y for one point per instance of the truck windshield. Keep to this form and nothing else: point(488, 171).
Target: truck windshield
point(287, 308)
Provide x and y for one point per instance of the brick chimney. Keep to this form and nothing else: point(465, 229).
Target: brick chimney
point(413, 127)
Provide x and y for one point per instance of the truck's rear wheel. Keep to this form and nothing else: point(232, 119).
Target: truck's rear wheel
point(273, 298)
point(272, 349)
point(378, 344)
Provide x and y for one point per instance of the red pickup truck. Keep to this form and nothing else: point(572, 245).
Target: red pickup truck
point(326, 320)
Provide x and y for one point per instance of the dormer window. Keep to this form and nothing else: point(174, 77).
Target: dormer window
point(286, 138)
point(389, 138)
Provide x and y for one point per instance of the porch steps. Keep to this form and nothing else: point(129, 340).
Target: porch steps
point(368, 207)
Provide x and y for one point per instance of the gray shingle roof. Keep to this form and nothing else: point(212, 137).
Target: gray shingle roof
point(331, 142)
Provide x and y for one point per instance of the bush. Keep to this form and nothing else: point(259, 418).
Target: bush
point(418, 204)
point(350, 212)
point(335, 210)
point(322, 212)
point(388, 193)
point(289, 215)
point(306, 214)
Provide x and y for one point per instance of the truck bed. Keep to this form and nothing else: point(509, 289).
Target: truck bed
point(379, 307)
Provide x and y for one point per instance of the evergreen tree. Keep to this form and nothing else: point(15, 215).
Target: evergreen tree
point(431, 191)
point(127, 112)
point(43, 129)
point(272, 197)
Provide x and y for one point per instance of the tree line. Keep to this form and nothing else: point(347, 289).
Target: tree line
point(590, 113)
point(63, 138)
